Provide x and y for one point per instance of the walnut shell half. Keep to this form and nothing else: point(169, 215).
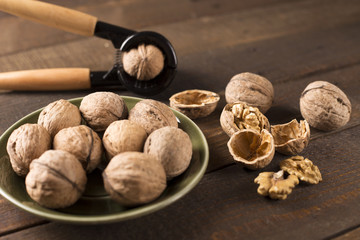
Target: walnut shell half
point(195, 103)
point(291, 138)
point(254, 150)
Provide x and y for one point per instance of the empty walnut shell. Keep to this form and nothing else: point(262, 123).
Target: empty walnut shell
point(83, 143)
point(195, 103)
point(133, 178)
point(152, 115)
point(58, 115)
point(254, 150)
point(123, 136)
point(56, 179)
point(172, 147)
point(237, 116)
point(25, 144)
point(291, 138)
point(303, 168)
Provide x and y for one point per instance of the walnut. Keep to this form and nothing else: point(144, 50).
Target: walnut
point(133, 178)
point(56, 179)
point(172, 147)
point(253, 89)
point(291, 138)
point(274, 185)
point(123, 136)
point(144, 62)
point(325, 106)
point(83, 143)
point(303, 168)
point(99, 109)
point(25, 144)
point(238, 116)
point(195, 103)
point(152, 115)
point(58, 115)
point(254, 150)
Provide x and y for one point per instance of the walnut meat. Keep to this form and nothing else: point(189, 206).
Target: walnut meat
point(133, 178)
point(238, 116)
point(325, 106)
point(303, 168)
point(253, 89)
point(252, 149)
point(152, 115)
point(172, 147)
point(291, 138)
point(275, 185)
point(123, 136)
point(195, 103)
point(144, 62)
point(83, 143)
point(58, 115)
point(99, 109)
point(56, 179)
point(25, 144)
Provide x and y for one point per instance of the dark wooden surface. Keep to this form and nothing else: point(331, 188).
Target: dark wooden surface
point(292, 43)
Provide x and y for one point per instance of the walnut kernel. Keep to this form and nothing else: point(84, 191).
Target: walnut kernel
point(303, 168)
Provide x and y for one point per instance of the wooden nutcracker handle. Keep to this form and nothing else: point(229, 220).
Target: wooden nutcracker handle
point(52, 15)
point(46, 79)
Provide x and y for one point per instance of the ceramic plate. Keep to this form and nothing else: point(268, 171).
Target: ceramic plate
point(95, 206)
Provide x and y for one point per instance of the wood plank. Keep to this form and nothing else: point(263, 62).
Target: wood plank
point(237, 211)
point(353, 234)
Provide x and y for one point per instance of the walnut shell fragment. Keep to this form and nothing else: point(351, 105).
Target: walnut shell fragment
point(325, 106)
point(83, 143)
point(25, 144)
point(133, 178)
point(291, 138)
point(56, 179)
point(172, 147)
point(275, 185)
point(99, 109)
point(238, 116)
point(195, 103)
point(303, 168)
point(152, 115)
point(144, 62)
point(253, 89)
point(123, 136)
point(254, 150)
point(58, 115)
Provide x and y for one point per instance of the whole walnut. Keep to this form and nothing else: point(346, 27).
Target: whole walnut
point(253, 89)
point(123, 136)
point(152, 115)
point(133, 178)
point(58, 115)
point(56, 179)
point(144, 62)
point(325, 106)
point(25, 144)
point(172, 147)
point(83, 143)
point(99, 109)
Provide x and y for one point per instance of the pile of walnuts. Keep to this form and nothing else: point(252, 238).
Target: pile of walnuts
point(142, 149)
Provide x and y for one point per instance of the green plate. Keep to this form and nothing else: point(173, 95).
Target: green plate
point(95, 206)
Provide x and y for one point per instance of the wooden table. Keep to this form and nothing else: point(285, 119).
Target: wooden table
point(292, 43)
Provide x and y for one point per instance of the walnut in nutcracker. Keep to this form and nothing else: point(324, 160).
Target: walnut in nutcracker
point(172, 147)
point(56, 179)
point(58, 115)
point(25, 144)
point(100, 109)
point(83, 143)
point(253, 89)
point(325, 106)
point(123, 136)
point(134, 178)
point(152, 115)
